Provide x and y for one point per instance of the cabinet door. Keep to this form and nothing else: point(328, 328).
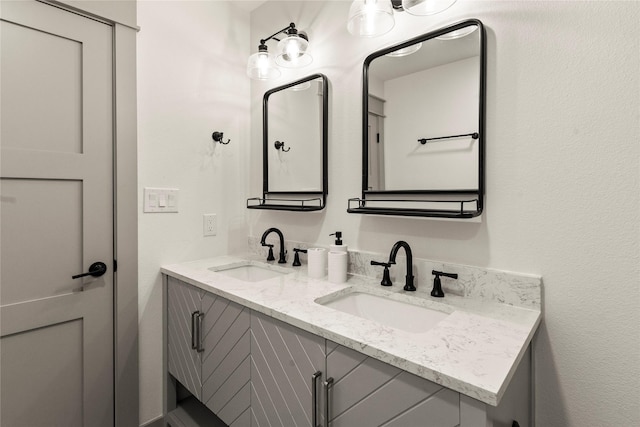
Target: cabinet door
point(226, 386)
point(368, 392)
point(283, 362)
point(183, 362)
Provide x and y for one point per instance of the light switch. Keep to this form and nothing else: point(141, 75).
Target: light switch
point(160, 199)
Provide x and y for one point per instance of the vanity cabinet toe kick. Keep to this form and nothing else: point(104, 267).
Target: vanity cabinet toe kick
point(228, 365)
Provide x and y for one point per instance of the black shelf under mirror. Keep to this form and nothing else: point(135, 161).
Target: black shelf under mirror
point(302, 204)
point(436, 208)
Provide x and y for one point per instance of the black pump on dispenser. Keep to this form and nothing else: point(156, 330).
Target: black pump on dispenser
point(338, 235)
point(338, 246)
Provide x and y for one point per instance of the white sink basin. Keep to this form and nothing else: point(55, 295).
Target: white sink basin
point(251, 271)
point(396, 314)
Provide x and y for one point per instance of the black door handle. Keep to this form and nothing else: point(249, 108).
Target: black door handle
point(96, 269)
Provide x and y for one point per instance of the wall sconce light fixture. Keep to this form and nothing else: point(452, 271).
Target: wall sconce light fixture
point(371, 18)
point(292, 53)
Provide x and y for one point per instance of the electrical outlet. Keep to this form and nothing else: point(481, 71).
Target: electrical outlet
point(210, 223)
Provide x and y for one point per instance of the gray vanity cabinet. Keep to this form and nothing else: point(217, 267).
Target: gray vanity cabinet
point(368, 392)
point(284, 360)
point(245, 369)
point(208, 343)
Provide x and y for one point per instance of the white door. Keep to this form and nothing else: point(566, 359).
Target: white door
point(56, 218)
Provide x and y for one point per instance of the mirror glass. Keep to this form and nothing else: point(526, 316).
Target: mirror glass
point(295, 119)
point(424, 106)
point(295, 146)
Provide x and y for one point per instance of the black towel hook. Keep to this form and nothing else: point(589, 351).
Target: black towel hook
point(280, 146)
point(217, 137)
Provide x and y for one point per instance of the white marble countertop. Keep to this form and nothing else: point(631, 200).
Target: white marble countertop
point(475, 350)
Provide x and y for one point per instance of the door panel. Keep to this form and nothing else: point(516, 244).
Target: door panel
point(58, 390)
point(51, 212)
point(56, 216)
point(24, 60)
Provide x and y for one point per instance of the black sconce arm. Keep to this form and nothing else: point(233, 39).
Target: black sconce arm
point(291, 26)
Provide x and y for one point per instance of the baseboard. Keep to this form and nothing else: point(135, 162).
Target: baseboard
point(158, 422)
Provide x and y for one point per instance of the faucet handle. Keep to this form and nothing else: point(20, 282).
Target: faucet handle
point(437, 284)
point(296, 258)
point(386, 280)
point(270, 257)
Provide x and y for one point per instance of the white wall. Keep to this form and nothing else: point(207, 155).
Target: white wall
point(562, 179)
point(191, 82)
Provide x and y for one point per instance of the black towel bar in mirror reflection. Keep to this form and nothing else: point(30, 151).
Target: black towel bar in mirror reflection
point(473, 135)
point(429, 95)
point(298, 112)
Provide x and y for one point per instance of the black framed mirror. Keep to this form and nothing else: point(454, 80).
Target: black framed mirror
point(423, 126)
point(294, 157)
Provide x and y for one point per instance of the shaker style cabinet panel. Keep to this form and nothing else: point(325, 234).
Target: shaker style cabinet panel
point(284, 360)
point(368, 392)
point(183, 305)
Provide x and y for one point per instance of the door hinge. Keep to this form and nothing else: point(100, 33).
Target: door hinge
point(378, 138)
point(115, 265)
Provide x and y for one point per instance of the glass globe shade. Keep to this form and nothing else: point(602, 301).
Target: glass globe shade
point(293, 52)
point(370, 18)
point(261, 66)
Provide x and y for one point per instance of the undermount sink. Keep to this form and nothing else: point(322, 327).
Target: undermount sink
point(251, 271)
point(389, 312)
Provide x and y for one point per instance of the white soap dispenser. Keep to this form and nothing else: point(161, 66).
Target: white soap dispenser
point(338, 259)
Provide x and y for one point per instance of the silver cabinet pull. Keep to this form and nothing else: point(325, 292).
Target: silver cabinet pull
point(327, 386)
point(194, 315)
point(199, 346)
point(314, 398)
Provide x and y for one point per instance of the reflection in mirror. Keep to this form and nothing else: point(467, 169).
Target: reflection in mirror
point(295, 120)
point(423, 126)
point(295, 146)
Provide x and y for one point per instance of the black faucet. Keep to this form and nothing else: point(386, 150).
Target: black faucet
point(270, 257)
point(408, 284)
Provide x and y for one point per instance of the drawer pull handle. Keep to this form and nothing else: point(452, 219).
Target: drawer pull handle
point(327, 386)
point(314, 398)
point(194, 326)
point(199, 347)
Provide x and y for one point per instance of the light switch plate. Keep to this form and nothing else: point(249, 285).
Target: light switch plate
point(160, 199)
